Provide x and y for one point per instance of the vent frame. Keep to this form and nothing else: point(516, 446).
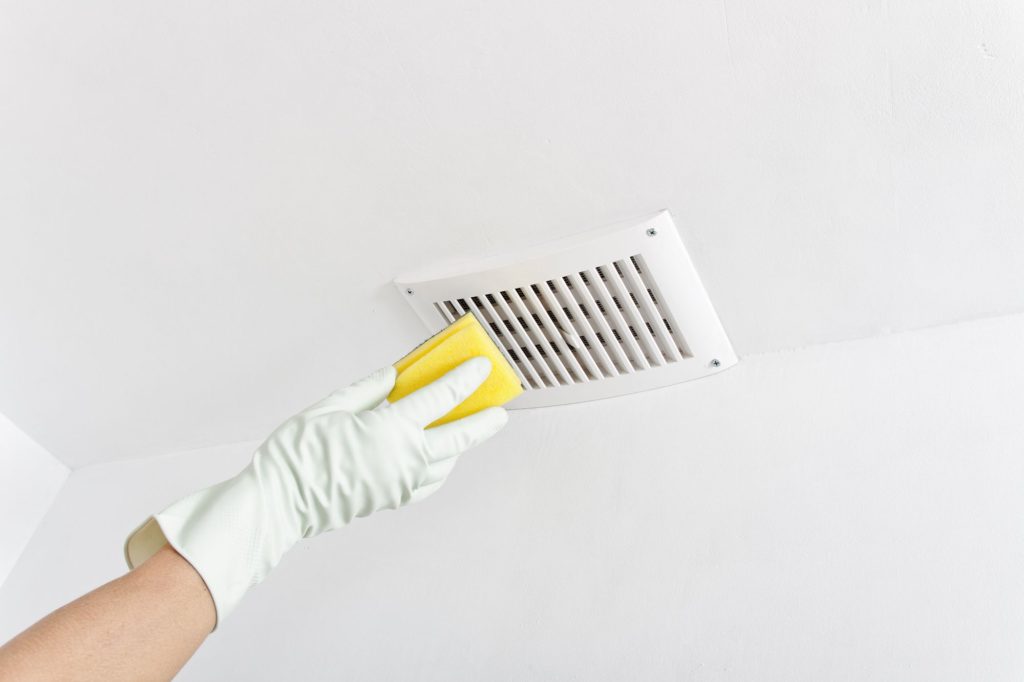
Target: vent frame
point(608, 312)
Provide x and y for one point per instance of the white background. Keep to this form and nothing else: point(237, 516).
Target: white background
point(202, 206)
point(851, 512)
point(30, 479)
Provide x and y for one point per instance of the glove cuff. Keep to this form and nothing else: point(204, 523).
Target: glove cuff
point(223, 533)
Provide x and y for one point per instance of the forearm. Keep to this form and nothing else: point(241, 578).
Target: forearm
point(346, 456)
point(142, 626)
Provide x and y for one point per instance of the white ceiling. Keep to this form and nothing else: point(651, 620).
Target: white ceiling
point(202, 205)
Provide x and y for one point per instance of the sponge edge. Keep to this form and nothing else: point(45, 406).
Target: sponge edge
point(450, 347)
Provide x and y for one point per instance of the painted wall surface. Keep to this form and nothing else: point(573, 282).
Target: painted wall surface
point(210, 201)
point(30, 479)
point(853, 511)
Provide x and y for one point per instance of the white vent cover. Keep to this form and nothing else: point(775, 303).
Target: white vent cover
point(614, 311)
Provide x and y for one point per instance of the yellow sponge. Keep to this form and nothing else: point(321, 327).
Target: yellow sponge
point(450, 347)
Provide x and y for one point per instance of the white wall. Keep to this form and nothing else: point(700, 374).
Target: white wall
point(223, 192)
point(852, 511)
point(30, 480)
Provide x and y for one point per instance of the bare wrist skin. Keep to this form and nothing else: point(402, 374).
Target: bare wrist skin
point(144, 625)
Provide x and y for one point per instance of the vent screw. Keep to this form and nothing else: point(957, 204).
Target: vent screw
point(651, 232)
point(410, 291)
point(716, 363)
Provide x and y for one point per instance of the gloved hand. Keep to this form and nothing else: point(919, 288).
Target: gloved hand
point(332, 462)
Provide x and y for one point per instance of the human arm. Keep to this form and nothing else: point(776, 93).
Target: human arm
point(344, 457)
point(142, 626)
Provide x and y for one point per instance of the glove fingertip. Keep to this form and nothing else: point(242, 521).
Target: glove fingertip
point(497, 417)
point(387, 375)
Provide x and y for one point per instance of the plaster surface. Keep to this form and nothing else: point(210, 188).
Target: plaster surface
point(848, 512)
point(31, 480)
point(202, 207)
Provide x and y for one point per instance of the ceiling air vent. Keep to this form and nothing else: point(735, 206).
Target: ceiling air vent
point(614, 311)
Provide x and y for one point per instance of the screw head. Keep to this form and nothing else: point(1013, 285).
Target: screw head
point(716, 363)
point(410, 291)
point(651, 232)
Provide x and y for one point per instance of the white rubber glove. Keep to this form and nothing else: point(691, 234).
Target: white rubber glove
point(334, 461)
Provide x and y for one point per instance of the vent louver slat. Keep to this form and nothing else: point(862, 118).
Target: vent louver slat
point(640, 295)
point(620, 329)
point(597, 320)
point(638, 324)
point(601, 321)
point(526, 345)
point(582, 361)
point(664, 315)
point(558, 355)
point(469, 305)
point(511, 340)
point(587, 334)
point(444, 312)
point(546, 358)
point(612, 312)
